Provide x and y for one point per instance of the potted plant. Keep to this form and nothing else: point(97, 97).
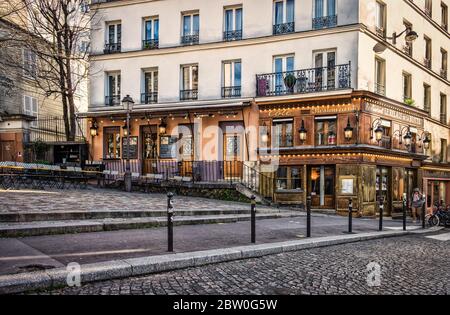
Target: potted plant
point(290, 80)
point(410, 102)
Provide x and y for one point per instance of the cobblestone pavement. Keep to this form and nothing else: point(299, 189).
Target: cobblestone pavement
point(409, 265)
point(103, 199)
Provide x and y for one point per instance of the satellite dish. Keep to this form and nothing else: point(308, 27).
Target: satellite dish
point(379, 48)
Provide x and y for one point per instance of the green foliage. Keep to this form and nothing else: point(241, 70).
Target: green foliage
point(410, 102)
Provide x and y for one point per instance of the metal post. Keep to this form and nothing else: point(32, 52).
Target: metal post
point(424, 206)
point(253, 218)
point(404, 211)
point(308, 216)
point(127, 177)
point(350, 216)
point(381, 208)
point(170, 222)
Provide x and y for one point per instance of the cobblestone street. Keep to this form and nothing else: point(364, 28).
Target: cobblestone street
point(409, 265)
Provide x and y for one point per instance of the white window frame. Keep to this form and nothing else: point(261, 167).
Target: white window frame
point(115, 24)
point(325, 8)
point(232, 64)
point(144, 29)
point(191, 14)
point(274, 17)
point(324, 54)
point(381, 15)
point(31, 111)
point(191, 68)
point(29, 63)
point(284, 61)
point(233, 8)
point(152, 71)
point(118, 83)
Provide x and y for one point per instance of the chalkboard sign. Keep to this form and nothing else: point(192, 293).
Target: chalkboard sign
point(133, 147)
point(167, 147)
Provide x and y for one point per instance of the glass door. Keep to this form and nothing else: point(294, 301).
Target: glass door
point(321, 186)
point(383, 188)
point(149, 149)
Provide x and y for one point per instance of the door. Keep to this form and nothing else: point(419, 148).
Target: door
point(383, 187)
point(232, 150)
point(7, 151)
point(321, 186)
point(149, 151)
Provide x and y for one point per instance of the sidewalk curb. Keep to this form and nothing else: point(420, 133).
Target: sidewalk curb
point(57, 278)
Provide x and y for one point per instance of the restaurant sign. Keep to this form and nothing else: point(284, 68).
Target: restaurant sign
point(396, 114)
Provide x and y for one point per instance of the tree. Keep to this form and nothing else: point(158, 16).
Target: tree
point(51, 32)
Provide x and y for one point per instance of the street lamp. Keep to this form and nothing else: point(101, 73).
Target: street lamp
point(303, 132)
point(163, 127)
point(410, 36)
point(379, 131)
point(94, 128)
point(128, 103)
point(407, 138)
point(348, 131)
point(265, 136)
point(425, 138)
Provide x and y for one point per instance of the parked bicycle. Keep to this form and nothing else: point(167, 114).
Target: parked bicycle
point(440, 216)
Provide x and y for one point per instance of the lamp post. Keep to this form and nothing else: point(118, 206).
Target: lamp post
point(410, 36)
point(128, 106)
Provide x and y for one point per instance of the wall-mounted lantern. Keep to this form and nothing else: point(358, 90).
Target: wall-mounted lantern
point(303, 132)
point(94, 128)
point(348, 131)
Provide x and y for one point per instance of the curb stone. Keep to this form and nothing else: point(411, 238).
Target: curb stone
point(57, 278)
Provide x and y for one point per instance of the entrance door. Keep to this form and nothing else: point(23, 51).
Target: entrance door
point(383, 187)
point(7, 151)
point(149, 151)
point(321, 186)
point(232, 150)
point(410, 183)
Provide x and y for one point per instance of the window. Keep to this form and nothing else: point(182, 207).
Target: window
point(289, 178)
point(443, 110)
point(113, 88)
point(231, 79)
point(30, 108)
point(325, 131)
point(444, 63)
point(283, 133)
point(325, 73)
point(84, 47)
point(444, 16)
point(232, 24)
point(408, 48)
point(284, 17)
point(151, 33)
point(186, 143)
point(427, 97)
point(428, 54)
point(281, 65)
point(324, 14)
point(381, 19)
point(150, 94)
point(428, 7)
point(29, 63)
point(113, 38)
point(444, 151)
point(407, 92)
point(380, 76)
point(112, 142)
point(189, 82)
point(191, 29)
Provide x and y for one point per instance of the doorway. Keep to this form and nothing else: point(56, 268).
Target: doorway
point(383, 188)
point(149, 148)
point(232, 150)
point(7, 151)
point(321, 186)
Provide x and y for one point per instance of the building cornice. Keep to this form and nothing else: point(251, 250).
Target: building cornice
point(422, 13)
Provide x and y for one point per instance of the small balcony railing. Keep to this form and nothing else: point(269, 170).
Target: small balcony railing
point(443, 118)
point(190, 39)
point(149, 98)
point(188, 95)
point(304, 81)
point(149, 44)
point(444, 73)
point(386, 142)
point(408, 49)
point(381, 32)
point(380, 89)
point(231, 91)
point(111, 48)
point(112, 100)
point(229, 36)
point(324, 22)
point(427, 12)
point(427, 63)
point(284, 28)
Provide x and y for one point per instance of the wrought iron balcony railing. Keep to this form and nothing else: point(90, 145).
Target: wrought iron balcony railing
point(380, 89)
point(229, 36)
point(188, 95)
point(444, 73)
point(191, 39)
point(381, 32)
point(111, 48)
point(284, 28)
point(231, 91)
point(427, 63)
point(324, 22)
point(148, 44)
point(408, 49)
point(113, 100)
point(149, 98)
point(304, 81)
point(443, 118)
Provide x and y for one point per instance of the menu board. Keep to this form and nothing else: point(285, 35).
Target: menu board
point(133, 147)
point(167, 147)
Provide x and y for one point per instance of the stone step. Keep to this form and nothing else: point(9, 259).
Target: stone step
point(102, 214)
point(111, 224)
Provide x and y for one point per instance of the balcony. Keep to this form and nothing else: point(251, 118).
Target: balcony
point(304, 81)
point(408, 49)
point(381, 32)
point(188, 95)
point(149, 98)
point(324, 22)
point(149, 44)
point(427, 63)
point(380, 89)
point(231, 91)
point(229, 36)
point(192, 39)
point(111, 48)
point(113, 100)
point(284, 28)
point(443, 118)
point(444, 73)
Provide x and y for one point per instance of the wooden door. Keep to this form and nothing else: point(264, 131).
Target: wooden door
point(149, 138)
point(232, 149)
point(7, 151)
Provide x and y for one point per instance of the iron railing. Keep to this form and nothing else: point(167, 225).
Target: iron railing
point(232, 35)
point(111, 48)
point(408, 49)
point(444, 73)
point(231, 91)
point(148, 44)
point(190, 39)
point(283, 28)
point(443, 118)
point(304, 81)
point(52, 129)
point(324, 22)
point(188, 95)
point(149, 98)
point(113, 100)
point(380, 89)
point(427, 63)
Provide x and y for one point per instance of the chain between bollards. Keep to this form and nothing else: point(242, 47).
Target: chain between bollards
point(350, 216)
point(308, 216)
point(170, 222)
point(253, 218)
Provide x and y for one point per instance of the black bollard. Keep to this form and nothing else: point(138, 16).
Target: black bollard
point(253, 219)
point(380, 228)
point(404, 211)
point(350, 216)
point(424, 206)
point(170, 222)
point(308, 216)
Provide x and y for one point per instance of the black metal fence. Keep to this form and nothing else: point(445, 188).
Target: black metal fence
point(52, 129)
